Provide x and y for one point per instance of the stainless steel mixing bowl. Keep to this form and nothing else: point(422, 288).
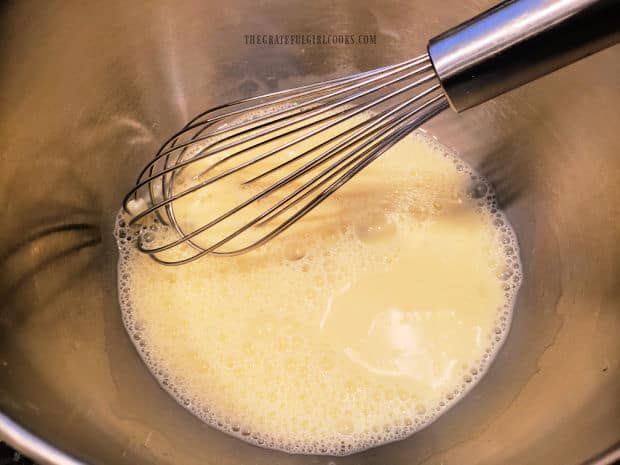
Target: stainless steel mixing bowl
point(89, 90)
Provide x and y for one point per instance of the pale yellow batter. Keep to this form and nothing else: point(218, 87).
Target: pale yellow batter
point(357, 327)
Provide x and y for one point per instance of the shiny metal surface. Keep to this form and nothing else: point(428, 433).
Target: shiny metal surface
point(517, 42)
point(88, 93)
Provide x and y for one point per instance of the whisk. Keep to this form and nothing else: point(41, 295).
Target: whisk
point(296, 147)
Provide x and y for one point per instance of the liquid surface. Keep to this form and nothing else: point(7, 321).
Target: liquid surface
point(357, 328)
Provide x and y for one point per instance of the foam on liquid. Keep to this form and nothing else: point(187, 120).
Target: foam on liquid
point(358, 328)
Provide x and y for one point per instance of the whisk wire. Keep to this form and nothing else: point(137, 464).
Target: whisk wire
point(362, 160)
point(205, 153)
point(251, 129)
point(274, 125)
point(290, 93)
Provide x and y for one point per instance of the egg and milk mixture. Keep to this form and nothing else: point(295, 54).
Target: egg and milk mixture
point(356, 327)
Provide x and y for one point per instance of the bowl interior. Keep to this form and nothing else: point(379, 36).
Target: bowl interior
point(86, 103)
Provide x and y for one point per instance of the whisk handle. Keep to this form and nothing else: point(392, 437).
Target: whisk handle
point(517, 42)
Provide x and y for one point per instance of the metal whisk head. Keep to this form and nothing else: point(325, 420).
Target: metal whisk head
point(283, 154)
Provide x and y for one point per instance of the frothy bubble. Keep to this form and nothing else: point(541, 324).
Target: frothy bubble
point(365, 425)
